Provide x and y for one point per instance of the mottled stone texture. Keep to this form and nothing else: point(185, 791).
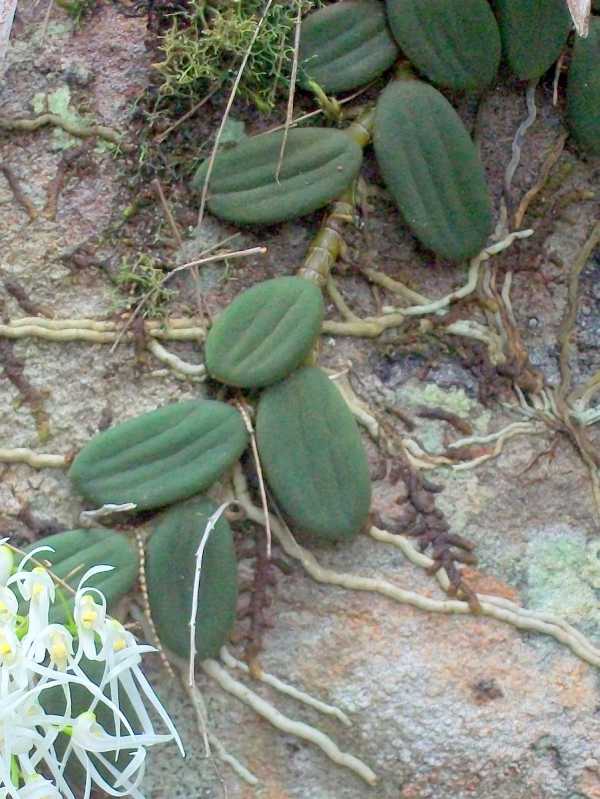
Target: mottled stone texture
point(442, 707)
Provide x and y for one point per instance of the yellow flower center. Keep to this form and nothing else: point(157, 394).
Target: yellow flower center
point(6, 648)
point(88, 617)
point(89, 614)
point(58, 650)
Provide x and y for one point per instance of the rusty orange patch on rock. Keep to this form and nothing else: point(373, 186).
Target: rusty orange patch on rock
point(483, 583)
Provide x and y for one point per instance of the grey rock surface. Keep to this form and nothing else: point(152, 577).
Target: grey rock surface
point(451, 707)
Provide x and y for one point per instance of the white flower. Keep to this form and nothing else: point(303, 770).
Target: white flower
point(14, 672)
point(91, 742)
point(7, 562)
point(57, 641)
point(37, 787)
point(122, 654)
point(9, 606)
point(37, 657)
point(90, 616)
point(37, 588)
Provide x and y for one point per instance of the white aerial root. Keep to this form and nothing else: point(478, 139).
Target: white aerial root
point(500, 437)
point(284, 723)
point(199, 706)
point(212, 745)
point(91, 517)
point(469, 328)
point(435, 306)
point(572, 637)
point(99, 332)
point(499, 608)
point(34, 459)
point(211, 523)
point(520, 135)
point(394, 286)
point(514, 429)
point(422, 460)
point(190, 371)
point(359, 409)
point(289, 690)
point(231, 761)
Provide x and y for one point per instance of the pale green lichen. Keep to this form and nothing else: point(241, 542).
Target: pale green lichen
point(414, 395)
point(453, 399)
point(59, 102)
point(562, 575)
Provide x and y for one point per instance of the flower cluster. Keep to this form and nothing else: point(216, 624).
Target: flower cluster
point(73, 700)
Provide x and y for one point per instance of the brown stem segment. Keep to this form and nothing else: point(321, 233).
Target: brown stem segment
point(328, 244)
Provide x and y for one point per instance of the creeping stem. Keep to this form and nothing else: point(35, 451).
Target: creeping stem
point(328, 244)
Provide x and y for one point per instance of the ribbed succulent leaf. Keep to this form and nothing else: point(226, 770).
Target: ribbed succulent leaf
point(432, 169)
point(533, 33)
point(318, 165)
point(266, 333)
point(345, 45)
point(312, 456)
point(162, 456)
point(455, 43)
point(170, 571)
point(75, 552)
point(583, 91)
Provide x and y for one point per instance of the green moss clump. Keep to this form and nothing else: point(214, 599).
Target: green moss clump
point(205, 44)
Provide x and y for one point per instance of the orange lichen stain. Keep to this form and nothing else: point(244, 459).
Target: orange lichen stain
point(361, 628)
point(589, 784)
point(483, 583)
point(259, 759)
point(410, 792)
point(267, 792)
point(573, 684)
point(474, 652)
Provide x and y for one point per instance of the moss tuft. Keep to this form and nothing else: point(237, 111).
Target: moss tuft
point(205, 44)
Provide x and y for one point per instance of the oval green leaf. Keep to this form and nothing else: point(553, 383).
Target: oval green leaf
point(455, 43)
point(162, 456)
point(345, 45)
point(75, 552)
point(266, 333)
point(533, 33)
point(432, 169)
point(318, 165)
point(170, 572)
point(312, 456)
point(583, 91)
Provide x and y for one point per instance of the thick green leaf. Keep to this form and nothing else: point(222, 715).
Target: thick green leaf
point(162, 456)
point(312, 456)
point(583, 91)
point(266, 333)
point(170, 570)
point(345, 45)
point(454, 43)
point(77, 551)
point(432, 169)
point(533, 33)
point(318, 165)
